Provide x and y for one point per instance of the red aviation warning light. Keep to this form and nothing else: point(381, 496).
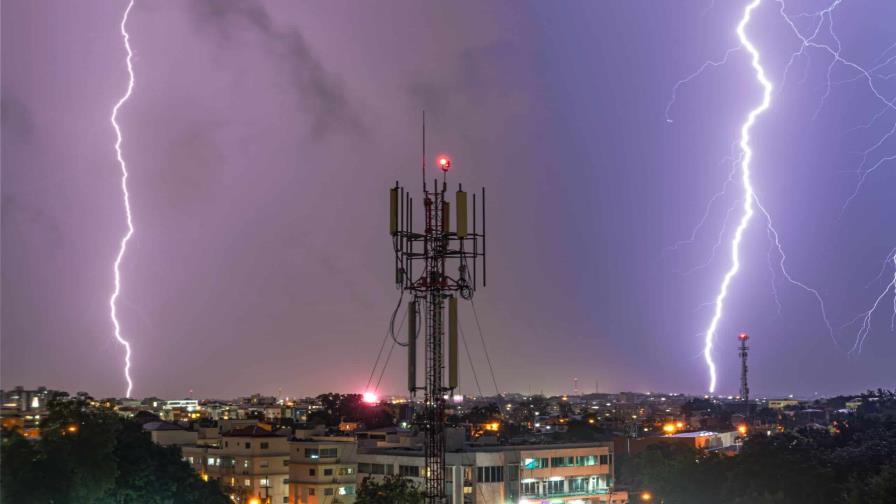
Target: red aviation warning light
point(743, 336)
point(444, 163)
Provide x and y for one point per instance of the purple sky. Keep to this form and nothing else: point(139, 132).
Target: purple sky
point(262, 136)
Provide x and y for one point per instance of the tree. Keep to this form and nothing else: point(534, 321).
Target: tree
point(88, 455)
point(392, 490)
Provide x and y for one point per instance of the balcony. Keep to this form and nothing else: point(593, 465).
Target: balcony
point(583, 493)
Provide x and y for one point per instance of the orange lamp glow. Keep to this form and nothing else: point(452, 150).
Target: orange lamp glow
point(742, 429)
point(646, 496)
point(370, 398)
point(669, 428)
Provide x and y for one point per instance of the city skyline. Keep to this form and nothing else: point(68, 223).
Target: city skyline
point(262, 137)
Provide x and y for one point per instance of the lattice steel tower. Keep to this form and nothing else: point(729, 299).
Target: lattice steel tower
point(446, 263)
point(744, 388)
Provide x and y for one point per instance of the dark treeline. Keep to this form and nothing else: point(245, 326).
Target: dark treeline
point(851, 462)
point(90, 455)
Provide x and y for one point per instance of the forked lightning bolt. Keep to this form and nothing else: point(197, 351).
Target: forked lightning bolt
point(820, 19)
point(113, 312)
point(748, 196)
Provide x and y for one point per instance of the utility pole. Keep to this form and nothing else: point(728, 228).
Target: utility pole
point(744, 388)
point(447, 266)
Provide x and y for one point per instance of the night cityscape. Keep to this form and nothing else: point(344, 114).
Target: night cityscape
point(264, 252)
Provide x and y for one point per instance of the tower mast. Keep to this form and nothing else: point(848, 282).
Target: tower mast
point(446, 258)
point(744, 388)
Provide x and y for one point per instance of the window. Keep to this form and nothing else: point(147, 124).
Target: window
point(263, 463)
point(587, 460)
point(346, 490)
point(310, 491)
point(312, 472)
point(409, 471)
point(562, 461)
point(264, 446)
point(247, 482)
point(604, 459)
point(377, 469)
point(535, 463)
point(312, 453)
point(226, 444)
point(390, 469)
point(264, 482)
point(246, 463)
point(328, 453)
point(328, 471)
point(363, 467)
point(346, 471)
point(248, 445)
point(555, 487)
point(578, 485)
point(285, 481)
point(531, 488)
point(285, 462)
point(490, 474)
point(285, 499)
point(328, 491)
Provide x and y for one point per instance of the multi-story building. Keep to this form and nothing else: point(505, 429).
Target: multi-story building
point(250, 462)
point(580, 473)
point(322, 470)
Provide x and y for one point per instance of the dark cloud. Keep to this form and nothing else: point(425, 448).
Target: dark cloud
point(319, 89)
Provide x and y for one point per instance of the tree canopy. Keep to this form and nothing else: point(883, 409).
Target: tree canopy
point(92, 456)
point(852, 462)
point(392, 490)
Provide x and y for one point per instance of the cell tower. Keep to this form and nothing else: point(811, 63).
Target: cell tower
point(447, 266)
point(744, 388)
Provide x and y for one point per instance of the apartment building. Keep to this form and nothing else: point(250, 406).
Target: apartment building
point(322, 470)
point(249, 462)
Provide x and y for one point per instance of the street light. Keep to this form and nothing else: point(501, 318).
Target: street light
point(646, 497)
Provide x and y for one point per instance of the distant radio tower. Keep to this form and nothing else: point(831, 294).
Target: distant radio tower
point(744, 388)
point(575, 386)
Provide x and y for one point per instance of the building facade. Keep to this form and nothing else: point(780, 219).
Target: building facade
point(322, 470)
point(251, 462)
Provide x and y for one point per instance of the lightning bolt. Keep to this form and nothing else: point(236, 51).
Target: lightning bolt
point(834, 51)
point(809, 40)
point(749, 194)
point(113, 312)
